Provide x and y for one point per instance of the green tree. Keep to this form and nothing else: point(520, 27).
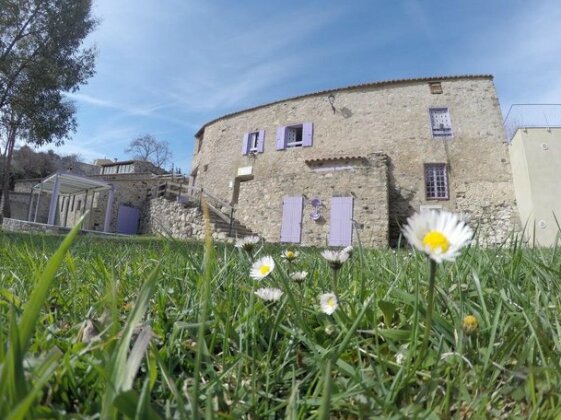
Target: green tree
point(41, 58)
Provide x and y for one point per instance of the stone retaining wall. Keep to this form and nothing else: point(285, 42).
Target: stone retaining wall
point(170, 218)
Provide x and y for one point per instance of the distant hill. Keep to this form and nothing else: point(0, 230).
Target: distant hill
point(27, 163)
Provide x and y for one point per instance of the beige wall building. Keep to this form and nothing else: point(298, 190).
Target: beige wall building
point(535, 152)
point(335, 166)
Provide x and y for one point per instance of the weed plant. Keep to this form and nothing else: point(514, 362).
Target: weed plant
point(152, 328)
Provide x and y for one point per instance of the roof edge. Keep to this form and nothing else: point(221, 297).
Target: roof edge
point(351, 87)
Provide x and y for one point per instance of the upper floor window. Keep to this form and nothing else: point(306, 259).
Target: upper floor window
point(435, 87)
point(294, 136)
point(108, 170)
point(436, 181)
point(118, 169)
point(441, 124)
point(299, 135)
point(253, 142)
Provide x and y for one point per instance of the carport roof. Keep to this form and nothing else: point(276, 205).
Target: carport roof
point(71, 184)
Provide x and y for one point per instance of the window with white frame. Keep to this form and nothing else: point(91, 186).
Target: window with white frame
point(253, 140)
point(108, 170)
point(436, 181)
point(294, 136)
point(441, 124)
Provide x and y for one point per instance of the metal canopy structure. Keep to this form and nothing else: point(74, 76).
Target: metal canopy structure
point(70, 184)
point(61, 183)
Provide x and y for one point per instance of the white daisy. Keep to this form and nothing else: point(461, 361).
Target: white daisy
point(248, 243)
point(262, 268)
point(289, 255)
point(269, 294)
point(335, 259)
point(401, 354)
point(348, 250)
point(299, 276)
point(328, 303)
point(440, 235)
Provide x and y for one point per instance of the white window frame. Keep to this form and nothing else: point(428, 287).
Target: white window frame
point(298, 128)
point(436, 181)
point(253, 142)
point(441, 132)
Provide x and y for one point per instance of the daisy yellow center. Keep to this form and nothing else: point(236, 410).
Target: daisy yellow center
point(436, 240)
point(331, 302)
point(264, 269)
point(470, 321)
point(290, 254)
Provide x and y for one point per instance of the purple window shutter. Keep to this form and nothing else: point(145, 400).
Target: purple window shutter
point(245, 144)
point(281, 132)
point(307, 134)
point(340, 223)
point(261, 141)
point(291, 226)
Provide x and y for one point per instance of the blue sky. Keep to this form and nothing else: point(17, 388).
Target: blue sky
point(165, 67)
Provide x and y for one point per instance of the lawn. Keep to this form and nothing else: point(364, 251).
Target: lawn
point(153, 328)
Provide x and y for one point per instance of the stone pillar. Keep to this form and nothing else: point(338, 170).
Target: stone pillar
point(54, 200)
point(38, 199)
point(108, 210)
point(30, 208)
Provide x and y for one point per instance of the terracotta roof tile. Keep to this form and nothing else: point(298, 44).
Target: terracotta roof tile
point(334, 159)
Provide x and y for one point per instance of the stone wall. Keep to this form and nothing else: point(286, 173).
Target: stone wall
point(130, 190)
point(19, 206)
point(16, 225)
point(260, 201)
point(170, 218)
point(392, 118)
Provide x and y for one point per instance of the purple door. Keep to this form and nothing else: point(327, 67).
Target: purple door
point(291, 226)
point(127, 220)
point(340, 222)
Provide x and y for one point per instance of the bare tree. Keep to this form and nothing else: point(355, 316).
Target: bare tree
point(149, 148)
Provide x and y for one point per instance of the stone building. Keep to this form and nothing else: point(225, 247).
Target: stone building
point(348, 164)
point(116, 197)
point(534, 132)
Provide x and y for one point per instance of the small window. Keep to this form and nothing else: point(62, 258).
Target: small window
point(441, 124)
point(79, 205)
point(293, 136)
point(435, 87)
point(436, 181)
point(253, 142)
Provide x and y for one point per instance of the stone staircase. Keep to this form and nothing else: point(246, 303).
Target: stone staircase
point(223, 229)
point(221, 214)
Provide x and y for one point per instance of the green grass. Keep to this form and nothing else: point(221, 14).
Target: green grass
point(182, 334)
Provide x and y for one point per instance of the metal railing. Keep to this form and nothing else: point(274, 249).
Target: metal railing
point(186, 194)
point(531, 116)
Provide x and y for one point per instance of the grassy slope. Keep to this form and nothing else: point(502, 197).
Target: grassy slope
point(280, 359)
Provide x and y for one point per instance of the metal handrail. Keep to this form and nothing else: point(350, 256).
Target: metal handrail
point(215, 204)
